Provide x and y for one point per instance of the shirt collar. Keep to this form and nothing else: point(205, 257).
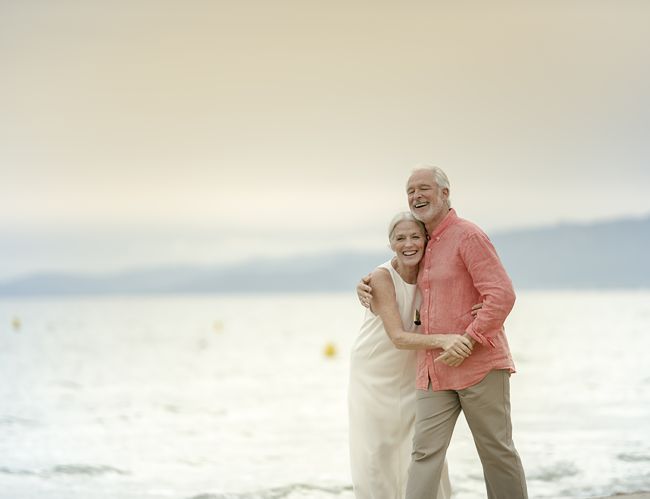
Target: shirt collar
point(450, 219)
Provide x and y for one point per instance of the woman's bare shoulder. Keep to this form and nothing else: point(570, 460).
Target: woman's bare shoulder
point(381, 278)
point(380, 273)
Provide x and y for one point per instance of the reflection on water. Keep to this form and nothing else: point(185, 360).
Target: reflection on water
point(244, 396)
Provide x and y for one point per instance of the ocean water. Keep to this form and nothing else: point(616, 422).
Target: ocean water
point(209, 397)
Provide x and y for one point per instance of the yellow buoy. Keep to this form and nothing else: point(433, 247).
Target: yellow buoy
point(16, 324)
point(217, 326)
point(330, 350)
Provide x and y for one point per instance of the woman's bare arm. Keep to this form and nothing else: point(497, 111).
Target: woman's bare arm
point(384, 304)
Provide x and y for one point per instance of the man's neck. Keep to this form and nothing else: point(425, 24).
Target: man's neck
point(437, 220)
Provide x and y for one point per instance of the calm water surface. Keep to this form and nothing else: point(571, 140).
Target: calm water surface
point(232, 397)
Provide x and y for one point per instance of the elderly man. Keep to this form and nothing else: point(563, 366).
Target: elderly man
point(460, 268)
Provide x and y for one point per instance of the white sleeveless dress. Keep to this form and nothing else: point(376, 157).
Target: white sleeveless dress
point(381, 401)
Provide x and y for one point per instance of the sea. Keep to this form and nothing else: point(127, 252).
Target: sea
point(245, 396)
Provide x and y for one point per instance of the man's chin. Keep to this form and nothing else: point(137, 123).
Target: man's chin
point(417, 216)
point(424, 217)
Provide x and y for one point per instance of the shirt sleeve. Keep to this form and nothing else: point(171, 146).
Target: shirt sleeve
point(492, 282)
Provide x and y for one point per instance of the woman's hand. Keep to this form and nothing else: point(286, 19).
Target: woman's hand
point(457, 345)
point(475, 309)
point(364, 291)
point(457, 348)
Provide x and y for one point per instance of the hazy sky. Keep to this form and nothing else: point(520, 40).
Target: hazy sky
point(137, 132)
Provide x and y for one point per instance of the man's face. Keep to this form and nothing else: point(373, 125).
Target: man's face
point(426, 199)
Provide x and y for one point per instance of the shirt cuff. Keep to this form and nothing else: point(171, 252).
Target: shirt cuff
point(480, 338)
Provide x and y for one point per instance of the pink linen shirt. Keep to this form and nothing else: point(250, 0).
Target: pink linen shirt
point(461, 268)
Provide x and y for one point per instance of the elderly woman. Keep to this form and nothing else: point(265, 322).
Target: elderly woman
point(382, 370)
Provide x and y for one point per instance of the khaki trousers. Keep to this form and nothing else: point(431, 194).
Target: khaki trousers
point(486, 406)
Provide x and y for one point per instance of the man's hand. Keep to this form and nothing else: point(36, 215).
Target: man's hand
point(476, 308)
point(449, 359)
point(364, 291)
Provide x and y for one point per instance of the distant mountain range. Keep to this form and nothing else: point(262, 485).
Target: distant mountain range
point(613, 254)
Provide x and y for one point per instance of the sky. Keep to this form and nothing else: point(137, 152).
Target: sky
point(143, 133)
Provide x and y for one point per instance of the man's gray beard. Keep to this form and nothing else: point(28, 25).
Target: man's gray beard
point(437, 209)
point(416, 217)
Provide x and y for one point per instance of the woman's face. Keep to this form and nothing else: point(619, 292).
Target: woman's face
point(408, 242)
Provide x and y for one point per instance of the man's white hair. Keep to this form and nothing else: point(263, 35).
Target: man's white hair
point(438, 175)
